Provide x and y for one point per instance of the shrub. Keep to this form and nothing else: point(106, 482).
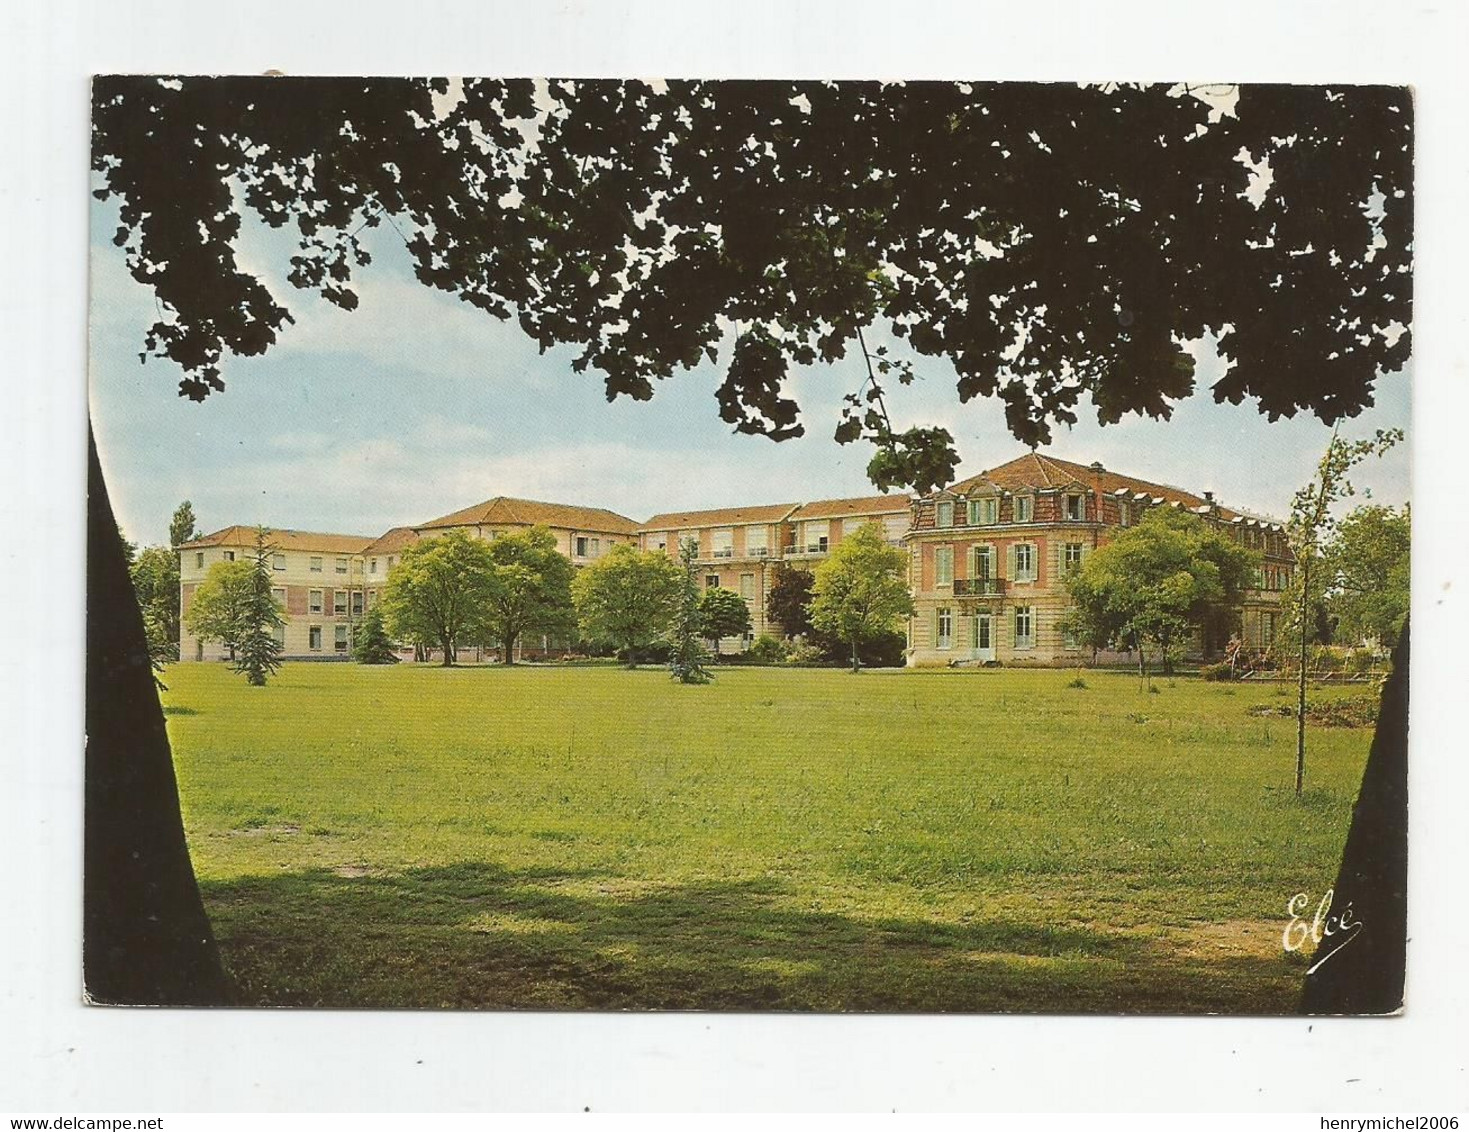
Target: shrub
point(1077, 682)
point(1221, 671)
point(767, 650)
point(800, 652)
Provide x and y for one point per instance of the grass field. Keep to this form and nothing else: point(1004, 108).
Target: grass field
point(792, 840)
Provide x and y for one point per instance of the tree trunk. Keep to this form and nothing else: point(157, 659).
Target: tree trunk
point(145, 937)
point(1367, 976)
point(856, 664)
point(507, 647)
point(448, 648)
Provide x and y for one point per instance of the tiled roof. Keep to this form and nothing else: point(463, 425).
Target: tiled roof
point(719, 517)
point(282, 539)
point(392, 542)
point(529, 512)
point(1035, 472)
point(860, 505)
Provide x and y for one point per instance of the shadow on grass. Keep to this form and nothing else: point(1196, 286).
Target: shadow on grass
point(473, 935)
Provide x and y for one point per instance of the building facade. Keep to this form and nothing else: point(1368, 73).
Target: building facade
point(740, 547)
point(987, 558)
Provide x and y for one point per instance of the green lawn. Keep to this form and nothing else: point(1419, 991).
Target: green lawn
point(794, 840)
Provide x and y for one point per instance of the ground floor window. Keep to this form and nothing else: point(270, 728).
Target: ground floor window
point(711, 581)
point(1024, 628)
point(747, 586)
point(944, 629)
point(340, 643)
point(278, 633)
point(1267, 629)
point(314, 638)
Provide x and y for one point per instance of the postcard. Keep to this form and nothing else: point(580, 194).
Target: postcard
point(783, 546)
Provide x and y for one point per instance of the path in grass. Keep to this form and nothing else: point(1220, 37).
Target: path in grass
point(802, 839)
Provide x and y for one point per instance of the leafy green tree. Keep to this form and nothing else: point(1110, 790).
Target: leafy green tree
point(723, 613)
point(689, 627)
point(788, 601)
point(861, 591)
point(628, 598)
point(1157, 582)
point(1367, 562)
point(155, 575)
point(234, 606)
point(1049, 241)
point(373, 646)
point(440, 592)
point(1311, 527)
point(217, 609)
point(532, 590)
point(182, 527)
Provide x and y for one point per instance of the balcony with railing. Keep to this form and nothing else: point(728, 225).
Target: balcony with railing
point(979, 587)
point(807, 550)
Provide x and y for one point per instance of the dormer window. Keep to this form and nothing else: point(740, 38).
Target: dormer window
point(1075, 507)
point(1024, 508)
point(945, 513)
point(984, 512)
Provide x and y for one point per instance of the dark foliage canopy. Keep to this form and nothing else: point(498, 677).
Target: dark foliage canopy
point(1051, 241)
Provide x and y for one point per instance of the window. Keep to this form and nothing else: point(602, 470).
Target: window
point(278, 595)
point(943, 635)
point(984, 562)
point(1024, 638)
point(894, 527)
point(229, 555)
point(984, 512)
point(945, 513)
point(356, 603)
point(339, 603)
point(1124, 513)
point(341, 565)
point(199, 560)
point(581, 547)
point(1024, 508)
point(339, 642)
point(316, 565)
point(1068, 638)
point(1267, 629)
point(817, 536)
point(747, 586)
point(391, 561)
point(1076, 508)
point(711, 581)
point(314, 638)
point(943, 565)
point(757, 540)
point(689, 536)
point(278, 635)
point(1071, 557)
point(278, 561)
point(722, 544)
point(313, 602)
point(1024, 562)
point(372, 565)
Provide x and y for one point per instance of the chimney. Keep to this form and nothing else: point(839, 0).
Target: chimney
point(1209, 498)
point(1097, 466)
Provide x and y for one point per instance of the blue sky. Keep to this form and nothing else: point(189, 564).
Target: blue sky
point(416, 404)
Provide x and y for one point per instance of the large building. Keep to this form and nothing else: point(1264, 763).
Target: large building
point(987, 557)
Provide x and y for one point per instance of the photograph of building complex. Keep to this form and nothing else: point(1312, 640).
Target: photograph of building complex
point(988, 556)
point(943, 546)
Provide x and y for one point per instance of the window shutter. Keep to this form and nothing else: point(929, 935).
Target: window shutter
point(1010, 563)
